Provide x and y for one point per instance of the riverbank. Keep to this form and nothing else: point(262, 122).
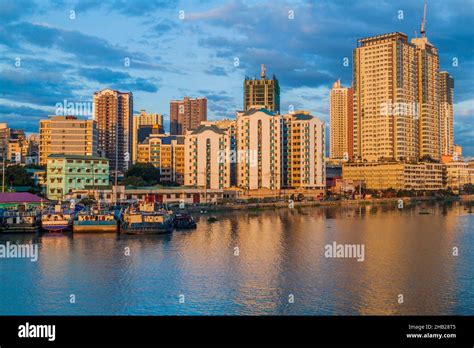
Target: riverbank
point(286, 204)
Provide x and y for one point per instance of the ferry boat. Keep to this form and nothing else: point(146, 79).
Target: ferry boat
point(57, 220)
point(184, 221)
point(95, 221)
point(146, 220)
point(20, 221)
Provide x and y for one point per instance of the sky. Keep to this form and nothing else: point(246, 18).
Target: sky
point(56, 50)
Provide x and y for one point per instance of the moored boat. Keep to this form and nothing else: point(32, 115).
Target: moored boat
point(58, 220)
point(95, 221)
point(146, 220)
point(17, 221)
point(184, 221)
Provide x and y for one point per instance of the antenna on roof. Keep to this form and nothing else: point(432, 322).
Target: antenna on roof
point(416, 34)
point(262, 71)
point(423, 22)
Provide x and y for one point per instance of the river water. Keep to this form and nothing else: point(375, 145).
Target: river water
point(268, 262)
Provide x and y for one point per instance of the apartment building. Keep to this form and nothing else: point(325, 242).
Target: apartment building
point(143, 125)
point(187, 114)
point(67, 135)
point(113, 111)
point(208, 156)
point(341, 120)
point(303, 151)
point(262, 93)
point(165, 152)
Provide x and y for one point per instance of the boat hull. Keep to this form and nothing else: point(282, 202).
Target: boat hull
point(95, 226)
point(20, 228)
point(146, 229)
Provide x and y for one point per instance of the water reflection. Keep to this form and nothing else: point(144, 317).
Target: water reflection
point(255, 263)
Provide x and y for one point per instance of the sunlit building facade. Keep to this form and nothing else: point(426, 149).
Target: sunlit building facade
point(67, 135)
point(341, 120)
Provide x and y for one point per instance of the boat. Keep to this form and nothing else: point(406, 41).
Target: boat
point(212, 219)
point(58, 220)
point(147, 219)
point(95, 221)
point(184, 221)
point(20, 221)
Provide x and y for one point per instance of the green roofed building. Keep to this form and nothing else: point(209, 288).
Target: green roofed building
point(67, 173)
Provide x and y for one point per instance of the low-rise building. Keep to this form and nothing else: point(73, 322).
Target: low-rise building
point(457, 174)
point(166, 195)
point(395, 175)
point(66, 173)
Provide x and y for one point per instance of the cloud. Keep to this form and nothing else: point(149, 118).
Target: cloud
point(23, 117)
point(218, 71)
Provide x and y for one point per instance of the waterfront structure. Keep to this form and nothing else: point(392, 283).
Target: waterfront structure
point(209, 156)
point(12, 200)
point(385, 81)
point(341, 122)
point(187, 114)
point(259, 146)
point(446, 112)
point(457, 174)
point(303, 145)
point(167, 153)
point(145, 124)
point(395, 175)
point(67, 173)
point(113, 111)
point(167, 195)
point(262, 93)
point(67, 135)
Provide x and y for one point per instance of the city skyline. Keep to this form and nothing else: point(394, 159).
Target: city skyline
point(78, 57)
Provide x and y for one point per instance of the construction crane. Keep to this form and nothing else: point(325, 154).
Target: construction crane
point(423, 22)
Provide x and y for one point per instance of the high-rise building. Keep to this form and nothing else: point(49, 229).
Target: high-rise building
point(208, 156)
point(67, 135)
point(385, 83)
point(143, 125)
point(303, 151)
point(187, 114)
point(341, 122)
point(428, 98)
point(113, 111)
point(446, 113)
point(262, 93)
point(166, 152)
point(259, 146)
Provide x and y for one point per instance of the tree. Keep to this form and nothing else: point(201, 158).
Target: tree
point(17, 175)
point(134, 181)
point(142, 174)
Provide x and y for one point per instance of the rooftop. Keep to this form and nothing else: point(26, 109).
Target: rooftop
point(81, 157)
point(20, 197)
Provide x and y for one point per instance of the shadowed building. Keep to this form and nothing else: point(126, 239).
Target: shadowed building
point(113, 111)
point(187, 114)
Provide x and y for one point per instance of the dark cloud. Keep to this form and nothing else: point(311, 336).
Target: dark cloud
point(23, 117)
point(42, 88)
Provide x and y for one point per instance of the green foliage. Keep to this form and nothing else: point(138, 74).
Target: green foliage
point(142, 174)
point(16, 175)
point(134, 181)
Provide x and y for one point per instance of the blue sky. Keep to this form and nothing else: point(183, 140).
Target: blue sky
point(170, 57)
